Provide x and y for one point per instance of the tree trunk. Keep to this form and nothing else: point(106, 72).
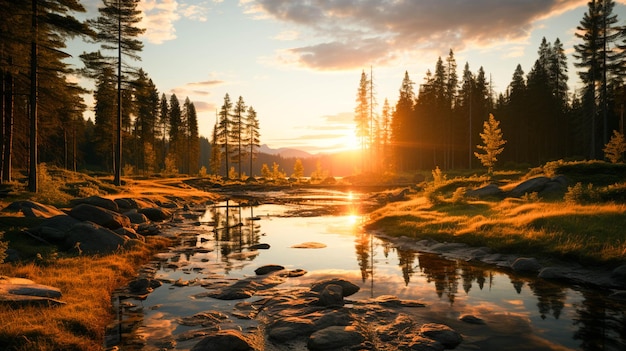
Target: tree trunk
point(32, 174)
point(7, 145)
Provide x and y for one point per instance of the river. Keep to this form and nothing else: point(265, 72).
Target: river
point(519, 312)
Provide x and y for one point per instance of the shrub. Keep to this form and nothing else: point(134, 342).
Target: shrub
point(581, 194)
point(3, 248)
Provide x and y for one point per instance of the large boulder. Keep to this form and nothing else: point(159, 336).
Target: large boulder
point(55, 229)
point(99, 215)
point(347, 287)
point(96, 201)
point(335, 337)
point(90, 238)
point(155, 214)
point(225, 340)
point(532, 185)
point(490, 190)
point(33, 209)
point(441, 333)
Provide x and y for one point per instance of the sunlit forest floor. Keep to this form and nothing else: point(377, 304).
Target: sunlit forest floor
point(585, 224)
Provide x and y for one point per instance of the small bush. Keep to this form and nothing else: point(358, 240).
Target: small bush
point(580, 194)
point(3, 248)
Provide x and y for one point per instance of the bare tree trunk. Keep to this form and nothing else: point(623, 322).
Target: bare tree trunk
point(7, 145)
point(32, 174)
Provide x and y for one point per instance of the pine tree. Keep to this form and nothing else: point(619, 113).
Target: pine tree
point(237, 131)
point(193, 139)
point(252, 136)
point(163, 121)
point(492, 144)
point(298, 169)
point(117, 31)
point(615, 148)
point(601, 61)
point(402, 126)
point(223, 130)
point(362, 113)
point(176, 134)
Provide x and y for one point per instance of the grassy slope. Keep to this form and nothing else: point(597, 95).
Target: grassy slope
point(590, 233)
point(86, 282)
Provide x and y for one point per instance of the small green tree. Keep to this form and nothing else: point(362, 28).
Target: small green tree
point(265, 171)
point(492, 143)
point(298, 169)
point(615, 148)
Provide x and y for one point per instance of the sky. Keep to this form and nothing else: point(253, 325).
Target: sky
point(298, 63)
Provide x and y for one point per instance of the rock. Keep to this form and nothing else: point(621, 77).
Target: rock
point(618, 295)
point(309, 245)
point(99, 215)
point(526, 265)
point(259, 247)
point(468, 318)
point(20, 292)
point(130, 233)
point(143, 286)
point(335, 337)
point(441, 333)
point(268, 268)
point(156, 214)
point(619, 273)
point(289, 328)
point(99, 201)
point(91, 239)
point(420, 343)
point(55, 228)
point(34, 209)
point(554, 273)
point(244, 288)
point(224, 340)
point(136, 217)
point(533, 185)
point(205, 319)
point(332, 295)
point(348, 288)
point(485, 191)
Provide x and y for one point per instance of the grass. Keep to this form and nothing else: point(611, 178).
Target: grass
point(86, 284)
point(587, 233)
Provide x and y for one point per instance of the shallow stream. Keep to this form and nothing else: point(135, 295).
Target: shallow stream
point(519, 312)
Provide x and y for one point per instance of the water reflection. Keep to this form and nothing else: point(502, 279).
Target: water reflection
point(519, 312)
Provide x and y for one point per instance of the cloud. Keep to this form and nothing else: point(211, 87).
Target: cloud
point(159, 17)
point(207, 83)
point(354, 33)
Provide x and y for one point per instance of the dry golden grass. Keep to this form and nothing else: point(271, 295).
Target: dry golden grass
point(86, 284)
point(586, 233)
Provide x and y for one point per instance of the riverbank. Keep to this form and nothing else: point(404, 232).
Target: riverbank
point(406, 214)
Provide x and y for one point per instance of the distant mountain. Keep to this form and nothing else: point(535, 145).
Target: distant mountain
point(284, 152)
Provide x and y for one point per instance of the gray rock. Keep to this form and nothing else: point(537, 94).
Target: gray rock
point(55, 228)
point(33, 209)
point(224, 340)
point(619, 273)
point(156, 214)
point(130, 233)
point(420, 343)
point(332, 295)
point(143, 286)
point(268, 268)
point(93, 239)
point(289, 328)
point(136, 217)
point(259, 247)
point(99, 215)
point(468, 318)
point(526, 265)
point(533, 185)
point(348, 288)
point(97, 201)
point(485, 191)
point(442, 334)
point(335, 337)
